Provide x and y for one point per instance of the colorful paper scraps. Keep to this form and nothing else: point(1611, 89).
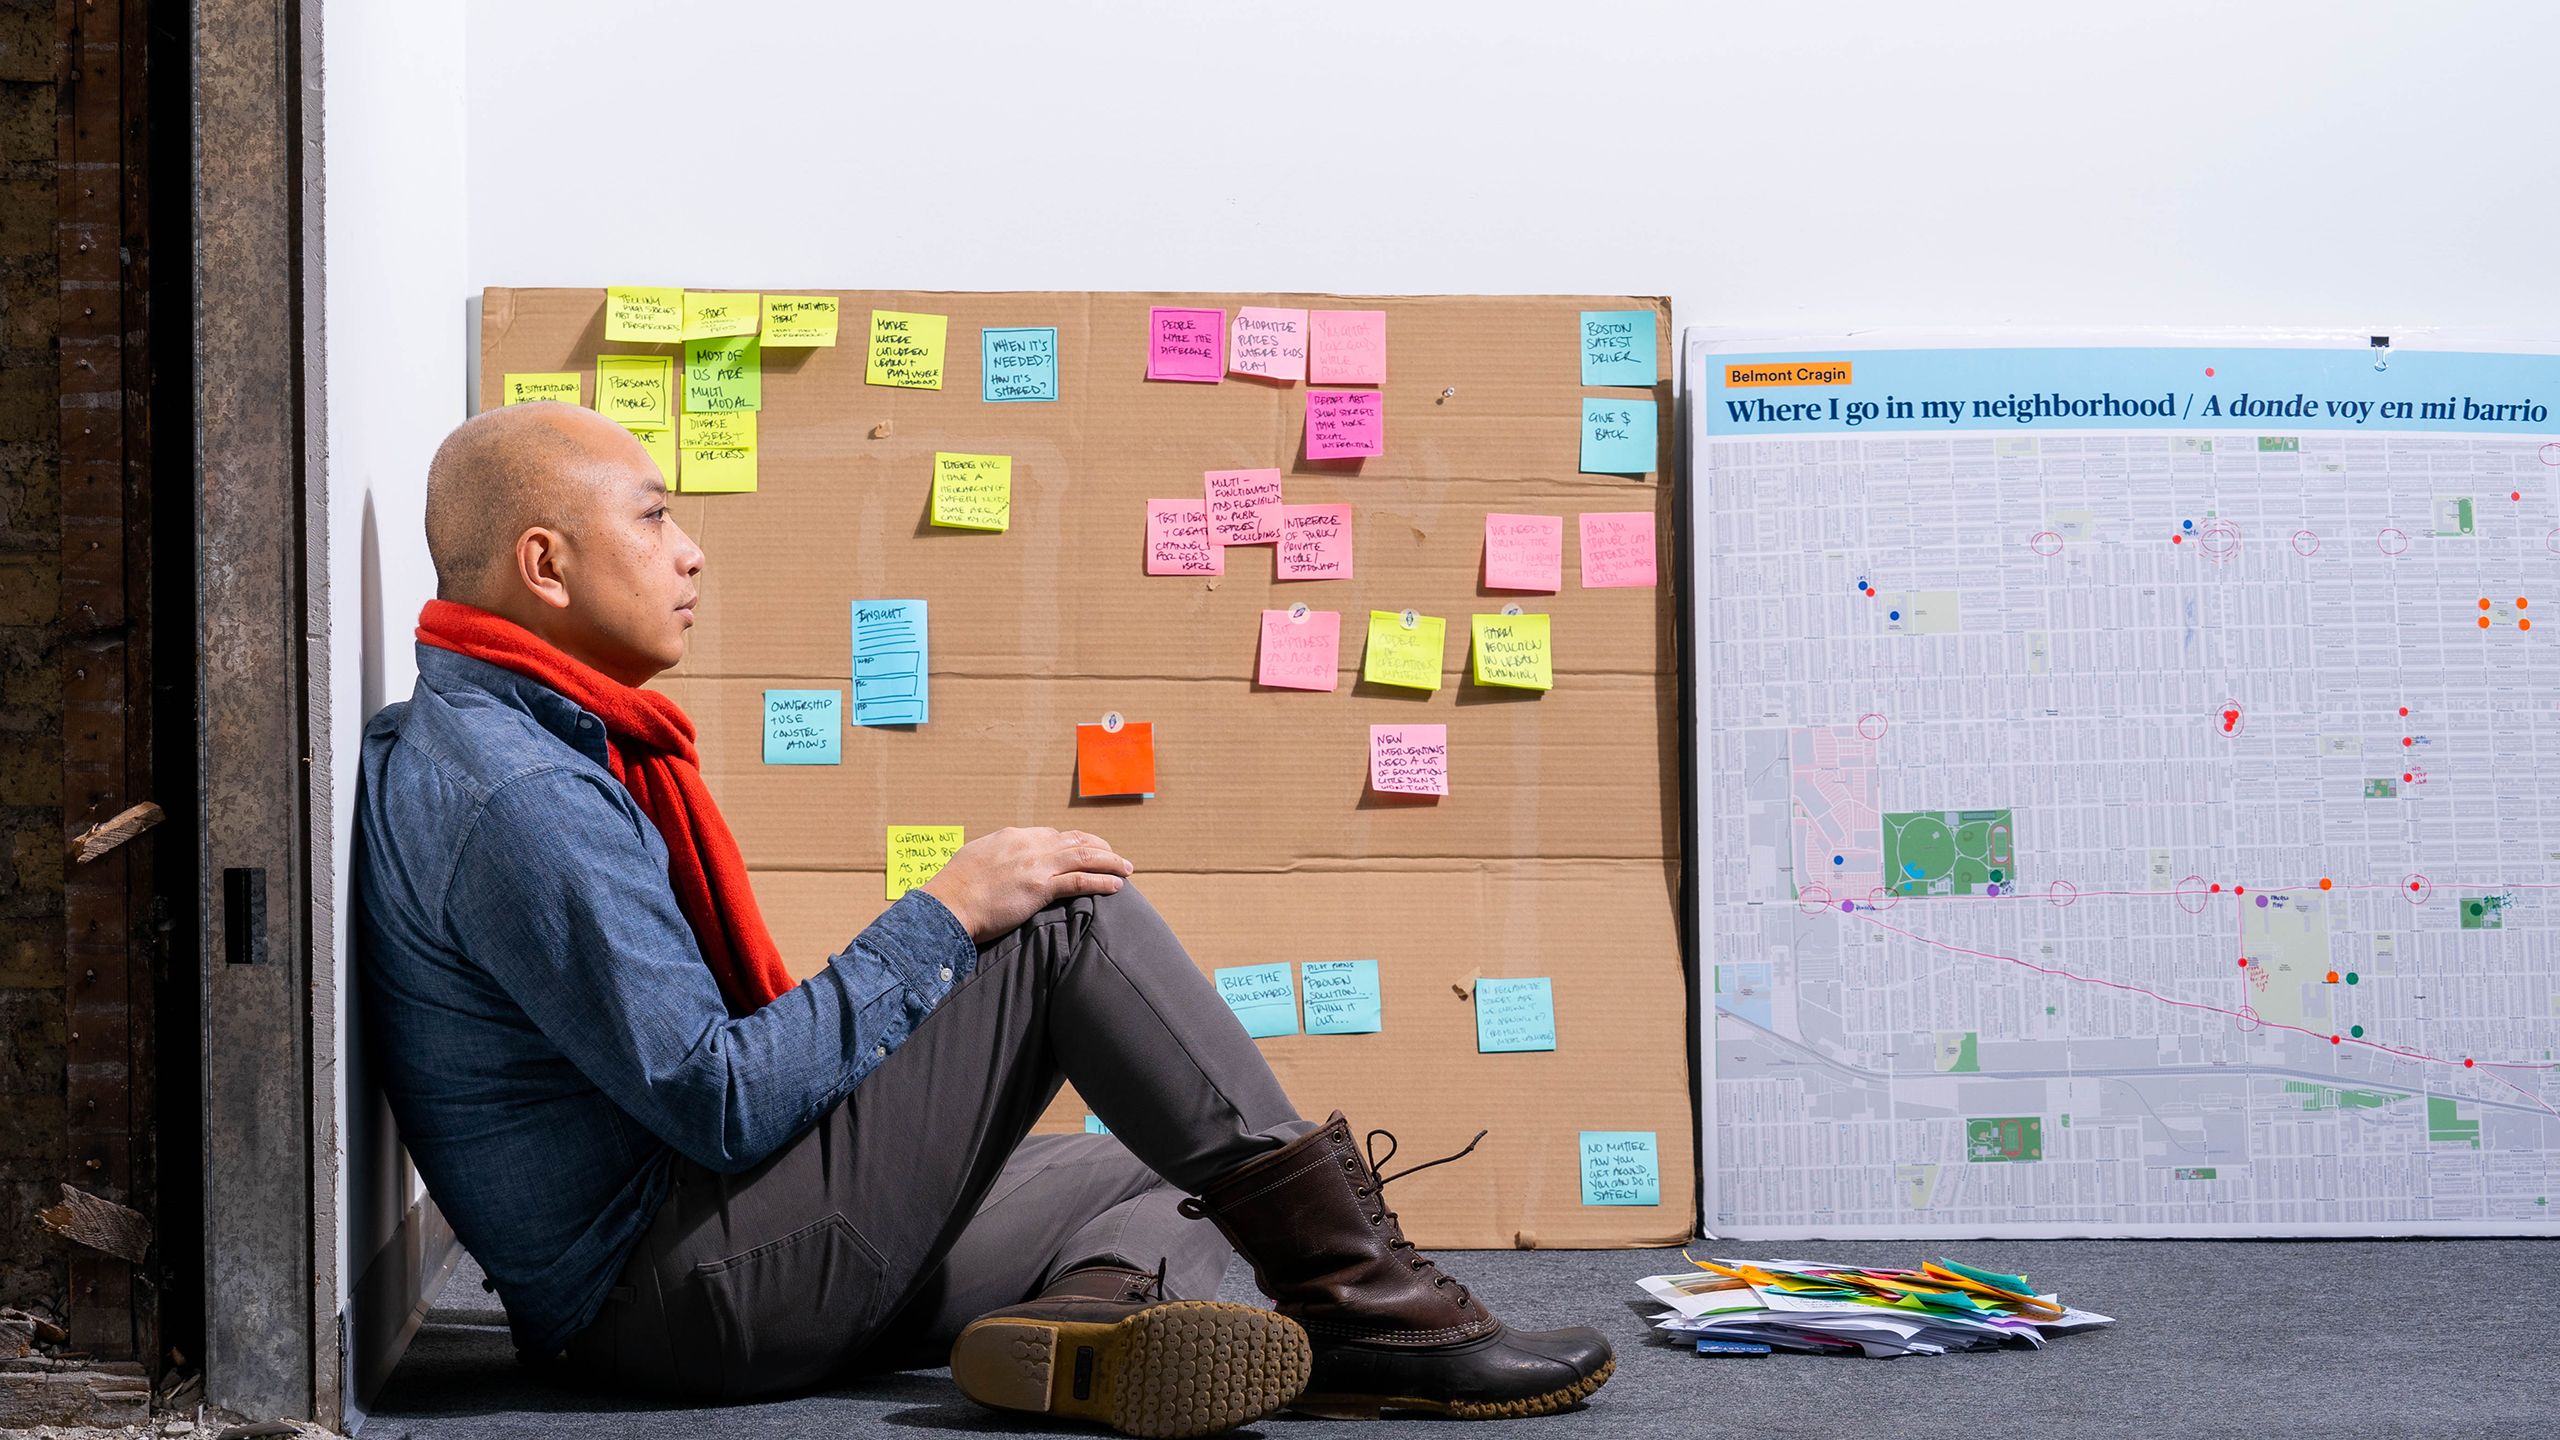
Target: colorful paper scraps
point(1402, 655)
point(1617, 549)
point(1186, 344)
point(917, 853)
point(1244, 506)
point(1301, 649)
point(1515, 1015)
point(636, 390)
point(1269, 343)
point(906, 350)
point(891, 663)
point(1315, 543)
point(1178, 540)
point(1116, 762)
point(800, 322)
point(1409, 759)
point(1341, 997)
point(652, 313)
point(1619, 1167)
point(1524, 552)
point(972, 492)
point(723, 375)
point(711, 314)
point(1263, 997)
point(565, 386)
point(1346, 424)
point(1018, 362)
point(1617, 436)
point(1514, 651)
point(1347, 347)
point(1617, 348)
point(803, 727)
point(717, 454)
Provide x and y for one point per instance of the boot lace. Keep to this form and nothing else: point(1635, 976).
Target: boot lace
point(1387, 1218)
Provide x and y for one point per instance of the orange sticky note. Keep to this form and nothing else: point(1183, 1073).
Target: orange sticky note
point(1121, 763)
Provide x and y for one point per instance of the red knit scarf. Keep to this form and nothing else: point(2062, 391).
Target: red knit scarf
point(649, 747)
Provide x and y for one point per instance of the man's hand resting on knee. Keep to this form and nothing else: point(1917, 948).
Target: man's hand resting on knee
point(997, 881)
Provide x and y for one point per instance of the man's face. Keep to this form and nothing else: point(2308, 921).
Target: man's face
point(631, 573)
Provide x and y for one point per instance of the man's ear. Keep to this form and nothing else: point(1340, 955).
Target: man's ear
point(542, 565)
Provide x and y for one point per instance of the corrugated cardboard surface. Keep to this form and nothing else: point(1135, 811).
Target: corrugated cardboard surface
point(1556, 852)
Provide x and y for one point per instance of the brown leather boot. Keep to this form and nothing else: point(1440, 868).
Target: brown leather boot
point(1391, 1330)
point(1102, 1343)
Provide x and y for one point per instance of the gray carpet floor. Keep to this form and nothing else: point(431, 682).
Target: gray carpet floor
point(2214, 1338)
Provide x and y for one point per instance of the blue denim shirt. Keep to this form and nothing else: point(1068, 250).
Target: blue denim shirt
point(537, 1009)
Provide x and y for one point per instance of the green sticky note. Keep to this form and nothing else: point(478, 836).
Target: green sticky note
point(1617, 348)
point(1263, 997)
point(1513, 651)
point(803, 727)
point(724, 375)
point(1617, 436)
point(1513, 1015)
point(1341, 996)
point(1400, 656)
point(1619, 1167)
point(1992, 1278)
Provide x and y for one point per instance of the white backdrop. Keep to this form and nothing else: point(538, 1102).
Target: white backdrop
point(2365, 166)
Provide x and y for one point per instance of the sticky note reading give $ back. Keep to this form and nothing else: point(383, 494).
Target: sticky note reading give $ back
point(972, 492)
point(917, 853)
point(1401, 656)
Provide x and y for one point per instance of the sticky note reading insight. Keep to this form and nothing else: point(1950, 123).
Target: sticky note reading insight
point(721, 376)
point(1186, 344)
point(1269, 343)
point(1617, 347)
point(1341, 996)
point(972, 492)
point(800, 321)
point(1019, 363)
point(1619, 1167)
point(917, 853)
point(1514, 651)
point(1301, 654)
point(1347, 424)
point(1617, 549)
point(718, 453)
point(803, 727)
point(1121, 763)
point(1178, 540)
point(1262, 996)
point(1524, 552)
point(906, 350)
point(637, 390)
point(1409, 759)
point(1315, 543)
point(709, 314)
point(1244, 506)
point(1398, 656)
point(1617, 436)
point(644, 312)
point(564, 386)
point(1514, 1015)
point(1347, 347)
point(890, 670)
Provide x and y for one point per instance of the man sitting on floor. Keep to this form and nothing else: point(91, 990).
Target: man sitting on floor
point(687, 1174)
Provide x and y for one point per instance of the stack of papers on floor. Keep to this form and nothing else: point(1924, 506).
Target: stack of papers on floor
point(1847, 1310)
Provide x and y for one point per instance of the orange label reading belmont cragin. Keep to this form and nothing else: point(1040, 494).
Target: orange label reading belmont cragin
point(1796, 372)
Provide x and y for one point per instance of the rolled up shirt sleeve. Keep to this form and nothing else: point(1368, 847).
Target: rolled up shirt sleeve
point(562, 898)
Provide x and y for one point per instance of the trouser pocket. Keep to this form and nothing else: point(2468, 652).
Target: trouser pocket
point(793, 1310)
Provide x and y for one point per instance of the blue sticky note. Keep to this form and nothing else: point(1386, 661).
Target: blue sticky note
point(1263, 997)
point(1093, 1126)
point(1021, 363)
point(1617, 348)
point(889, 663)
point(1619, 1168)
point(1617, 436)
point(1342, 996)
point(1515, 1015)
point(803, 727)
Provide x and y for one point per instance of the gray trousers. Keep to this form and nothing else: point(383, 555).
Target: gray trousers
point(921, 1201)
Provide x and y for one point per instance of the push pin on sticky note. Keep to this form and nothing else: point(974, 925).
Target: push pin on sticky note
point(1298, 613)
point(1409, 618)
point(1511, 609)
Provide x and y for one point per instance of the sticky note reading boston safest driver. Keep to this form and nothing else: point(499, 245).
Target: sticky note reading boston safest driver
point(1262, 997)
point(1619, 1168)
point(1617, 347)
point(803, 727)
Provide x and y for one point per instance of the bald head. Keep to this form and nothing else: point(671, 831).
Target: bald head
point(505, 471)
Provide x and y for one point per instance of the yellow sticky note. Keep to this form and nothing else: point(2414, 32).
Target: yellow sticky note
point(636, 389)
point(1398, 656)
point(709, 314)
point(972, 492)
point(661, 445)
point(644, 312)
point(719, 454)
point(917, 853)
point(906, 350)
point(565, 386)
point(1513, 650)
point(799, 320)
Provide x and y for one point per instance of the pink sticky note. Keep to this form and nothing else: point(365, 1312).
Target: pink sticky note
point(1347, 347)
point(1524, 552)
point(1617, 549)
point(1315, 543)
point(1301, 654)
point(1178, 539)
point(1269, 343)
point(1409, 759)
point(1345, 423)
point(1244, 506)
point(1186, 344)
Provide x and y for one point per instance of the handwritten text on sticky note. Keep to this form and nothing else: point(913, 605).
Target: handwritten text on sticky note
point(1269, 343)
point(1346, 424)
point(637, 390)
point(644, 312)
point(906, 350)
point(891, 663)
point(1262, 996)
point(563, 386)
point(1304, 653)
point(661, 445)
point(1341, 996)
point(1397, 655)
point(1514, 651)
point(1315, 543)
point(717, 453)
point(723, 375)
point(1178, 540)
point(1515, 1015)
point(917, 853)
point(1186, 344)
point(800, 321)
point(1617, 436)
point(1116, 762)
point(972, 492)
point(1409, 759)
point(711, 314)
point(1018, 363)
point(1244, 506)
point(803, 727)
point(1619, 1167)
point(1617, 549)
point(1617, 347)
point(1524, 552)
point(1347, 347)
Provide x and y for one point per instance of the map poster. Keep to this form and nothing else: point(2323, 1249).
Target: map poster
point(2130, 796)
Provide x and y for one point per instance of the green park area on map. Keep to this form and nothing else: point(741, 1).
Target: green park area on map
point(2009, 1138)
point(1949, 852)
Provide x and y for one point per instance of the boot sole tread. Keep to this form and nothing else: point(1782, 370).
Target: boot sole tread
point(1369, 1407)
point(1183, 1368)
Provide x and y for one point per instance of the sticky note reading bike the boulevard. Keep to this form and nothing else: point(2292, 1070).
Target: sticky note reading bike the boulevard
point(1620, 1167)
point(917, 853)
point(1263, 997)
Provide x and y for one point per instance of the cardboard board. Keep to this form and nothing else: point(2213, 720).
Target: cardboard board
point(1556, 852)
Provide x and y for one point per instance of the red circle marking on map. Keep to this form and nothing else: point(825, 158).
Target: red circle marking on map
point(2248, 1020)
point(2045, 543)
point(1871, 726)
point(1879, 899)
point(2551, 453)
point(2551, 542)
point(2392, 541)
point(2220, 539)
point(2229, 720)
point(2190, 894)
point(2063, 894)
point(2419, 889)
point(2305, 543)
point(1814, 899)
